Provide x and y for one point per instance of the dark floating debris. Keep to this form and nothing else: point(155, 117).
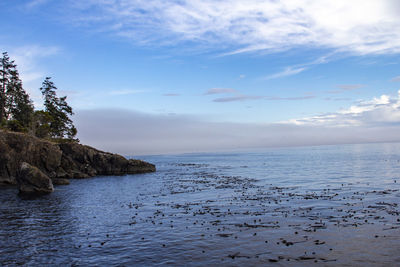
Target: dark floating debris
point(274, 220)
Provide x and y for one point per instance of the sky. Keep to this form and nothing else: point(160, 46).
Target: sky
point(158, 76)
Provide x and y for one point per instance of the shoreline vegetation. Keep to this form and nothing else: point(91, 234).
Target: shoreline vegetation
point(39, 148)
point(18, 114)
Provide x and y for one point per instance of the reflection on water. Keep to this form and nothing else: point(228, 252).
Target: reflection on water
point(335, 205)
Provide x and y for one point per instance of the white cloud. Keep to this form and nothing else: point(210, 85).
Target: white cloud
point(296, 69)
point(289, 71)
point(357, 26)
point(381, 110)
point(396, 79)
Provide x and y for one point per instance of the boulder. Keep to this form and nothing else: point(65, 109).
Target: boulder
point(32, 181)
point(16, 148)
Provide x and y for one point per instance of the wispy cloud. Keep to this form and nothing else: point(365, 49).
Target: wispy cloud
point(126, 92)
point(35, 3)
point(291, 98)
point(26, 58)
point(238, 98)
point(346, 87)
point(215, 91)
point(296, 69)
point(171, 94)
point(350, 87)
point(364, 27)
point(289, 71)
point(337, 99)
point(395, 79)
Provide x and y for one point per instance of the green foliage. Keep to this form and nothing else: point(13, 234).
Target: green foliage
point(3, 123)
point(16, 126)
point(64, 140)
point(18, 104)
point(6, 66)
point(17, 111)
point(57, 107)
point(41, 124)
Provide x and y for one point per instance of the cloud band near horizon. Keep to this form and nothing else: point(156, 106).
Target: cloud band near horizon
point(134, 133)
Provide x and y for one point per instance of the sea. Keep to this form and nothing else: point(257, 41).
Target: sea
point(306, 206)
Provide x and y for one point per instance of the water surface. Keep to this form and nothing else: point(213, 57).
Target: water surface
point(328, 205)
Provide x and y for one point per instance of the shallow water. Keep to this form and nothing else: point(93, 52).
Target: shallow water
point(329, 206)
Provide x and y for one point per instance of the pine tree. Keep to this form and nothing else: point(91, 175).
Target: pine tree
point(16, 109)
point(61, 125)
point(41, 124)
point(19, 107)
point(5, 66)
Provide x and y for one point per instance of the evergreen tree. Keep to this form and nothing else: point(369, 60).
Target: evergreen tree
point(41, 124)
point(19, 107)
point(61, 125)
point(16, 109)
point(5, 67)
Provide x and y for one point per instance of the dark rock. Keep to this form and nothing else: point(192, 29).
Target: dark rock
point(60, 181)
point(16, 148)
point(79, 161)
point(32, 181)
point(66, 160)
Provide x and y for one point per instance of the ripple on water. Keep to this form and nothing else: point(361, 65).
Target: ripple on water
point(336, 205)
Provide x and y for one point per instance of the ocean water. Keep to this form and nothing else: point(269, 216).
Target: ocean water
point(322, 206)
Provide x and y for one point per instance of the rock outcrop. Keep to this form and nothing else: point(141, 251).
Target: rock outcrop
point(32, 181)
point(79, 161)
point(16, 148)
point(60, 161)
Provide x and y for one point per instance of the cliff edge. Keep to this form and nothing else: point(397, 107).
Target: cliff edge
point(65, 160)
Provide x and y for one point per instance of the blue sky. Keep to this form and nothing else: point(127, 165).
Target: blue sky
point(204, 63)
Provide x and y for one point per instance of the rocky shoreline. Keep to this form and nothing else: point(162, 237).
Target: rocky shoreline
point(26, 160)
